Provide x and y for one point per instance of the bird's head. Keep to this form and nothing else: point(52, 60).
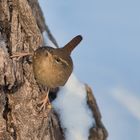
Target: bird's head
point(56, 61)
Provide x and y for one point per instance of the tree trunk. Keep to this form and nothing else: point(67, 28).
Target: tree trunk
point(21, 27)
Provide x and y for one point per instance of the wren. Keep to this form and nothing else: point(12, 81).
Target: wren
point(53, 66)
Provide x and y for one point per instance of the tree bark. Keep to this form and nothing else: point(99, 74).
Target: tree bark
point(21, 27)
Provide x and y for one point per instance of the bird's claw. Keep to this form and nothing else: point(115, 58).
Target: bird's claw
point(43, 105)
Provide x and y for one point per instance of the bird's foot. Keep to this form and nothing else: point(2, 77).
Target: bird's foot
point(44, 104)
point(20, 54)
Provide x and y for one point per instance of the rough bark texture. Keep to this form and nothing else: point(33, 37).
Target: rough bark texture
point(21, 28)
point(97, 132)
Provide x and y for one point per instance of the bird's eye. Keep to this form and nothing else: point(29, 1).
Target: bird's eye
point(57, 60)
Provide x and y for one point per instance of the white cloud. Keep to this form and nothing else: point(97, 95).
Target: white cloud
point(129, 100)
point(75, 116)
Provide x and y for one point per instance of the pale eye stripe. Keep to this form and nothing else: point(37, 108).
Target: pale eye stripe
point(64, 61)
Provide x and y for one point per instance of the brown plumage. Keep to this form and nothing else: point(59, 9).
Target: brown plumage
point(52, 66)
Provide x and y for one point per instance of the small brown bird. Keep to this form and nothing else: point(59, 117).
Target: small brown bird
point(53, 66)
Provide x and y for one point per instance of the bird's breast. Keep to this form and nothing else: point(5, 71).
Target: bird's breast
point(49, 74)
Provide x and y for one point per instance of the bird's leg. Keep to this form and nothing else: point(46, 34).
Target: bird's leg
point(20, 54)
point(45, 101)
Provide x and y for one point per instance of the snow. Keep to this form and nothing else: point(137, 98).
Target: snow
point(3, 51)
point(71, 105)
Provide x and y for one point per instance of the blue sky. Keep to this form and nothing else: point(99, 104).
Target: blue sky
point(108, 59)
